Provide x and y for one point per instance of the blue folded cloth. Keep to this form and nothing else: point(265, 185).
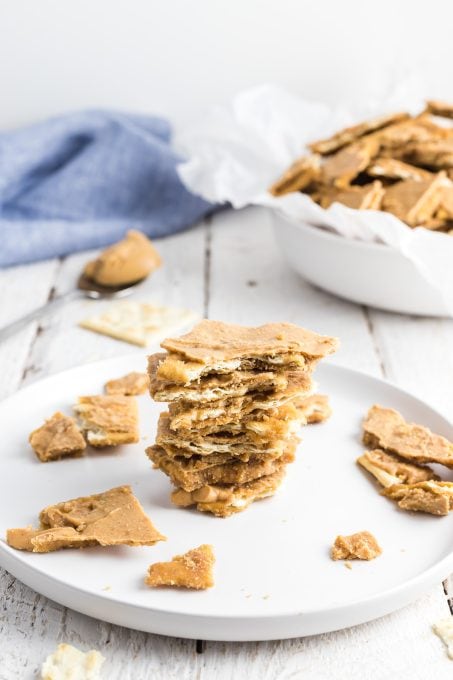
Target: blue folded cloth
point(81, 180)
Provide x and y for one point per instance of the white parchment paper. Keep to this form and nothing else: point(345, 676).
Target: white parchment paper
point(237, 151)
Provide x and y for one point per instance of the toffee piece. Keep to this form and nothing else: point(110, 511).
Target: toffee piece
point(187, 415)
point(108, 420)
point(214, 343)
point(59, 437)
point(299, 175)
point(386, 429)
point(350, 134)
point(280, 421)
point(436, 154)
point(414, 201)
point(368, 197)
point(389, 469)
point(193, 569)
point(390, 168)
point(226, 500)
point(188, 477)
point(314, 408)
point(128, 385)
point(114, 517)
point(344, 166)
point(210, 387)
point(245, 441)
point(433, 497)
point(360, 546)
point(439, 108)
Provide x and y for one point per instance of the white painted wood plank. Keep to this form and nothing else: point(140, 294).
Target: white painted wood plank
point(21, 290)
point(400, 645)
point(31, 627)
point(251, 283)
point(417, 354)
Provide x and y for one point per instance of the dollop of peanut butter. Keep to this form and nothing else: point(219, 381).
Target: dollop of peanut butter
point(127, 261)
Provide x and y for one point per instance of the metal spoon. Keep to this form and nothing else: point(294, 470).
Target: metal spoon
point(85, 288)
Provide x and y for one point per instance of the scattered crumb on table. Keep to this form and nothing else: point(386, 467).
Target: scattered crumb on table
point(444, 630)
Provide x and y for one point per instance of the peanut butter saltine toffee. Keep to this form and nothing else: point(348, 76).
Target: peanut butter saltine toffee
point(432, 497)
point(114, 517)
point(398, 459)
point(193, 569)
point(57, 438)
point(298, 176)
point(386, 429)
point(274, 422)
point(236, 403)
point(232, 471)
point(351, 134)
point(390, 168)
point(340, 169)
point(261, 437)
point(415, 201)
point(108, 420)
point(360, 546)
point(186, 414)
point(216, 347)
point(313, 409)
point(128, 385)
point(388, 469)
point(399, 164)
point(226, 500)
point(368, 197)
point(211, 387)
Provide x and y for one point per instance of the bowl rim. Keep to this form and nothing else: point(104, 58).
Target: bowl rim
point(326, 234)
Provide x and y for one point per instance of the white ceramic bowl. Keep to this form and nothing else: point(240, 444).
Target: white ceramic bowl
point(367, 273)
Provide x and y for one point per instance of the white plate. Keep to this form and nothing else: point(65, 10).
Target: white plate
point(371, 274)
point(274, 576)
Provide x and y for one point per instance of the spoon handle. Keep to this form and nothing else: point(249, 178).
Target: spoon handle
point(49, 308)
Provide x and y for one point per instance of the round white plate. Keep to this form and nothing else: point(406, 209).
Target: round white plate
point(371, 274)
point(274, 577)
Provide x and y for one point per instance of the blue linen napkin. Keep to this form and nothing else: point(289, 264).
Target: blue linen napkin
point(79, 181)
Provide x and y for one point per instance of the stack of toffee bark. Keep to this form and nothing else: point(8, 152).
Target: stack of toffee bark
point(237, 397)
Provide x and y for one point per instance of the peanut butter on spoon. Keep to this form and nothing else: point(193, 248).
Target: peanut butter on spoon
point(127, 261)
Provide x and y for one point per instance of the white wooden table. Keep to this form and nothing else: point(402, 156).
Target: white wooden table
point(228, 268)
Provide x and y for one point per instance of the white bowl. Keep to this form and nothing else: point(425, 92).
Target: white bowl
point(367, 273)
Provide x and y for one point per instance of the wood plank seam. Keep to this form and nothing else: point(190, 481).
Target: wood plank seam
point(447, 595)
point(370, 326)
point(40, 328)
point(29, 368)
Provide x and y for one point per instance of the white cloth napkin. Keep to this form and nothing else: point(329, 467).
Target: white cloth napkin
point(239, 150)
